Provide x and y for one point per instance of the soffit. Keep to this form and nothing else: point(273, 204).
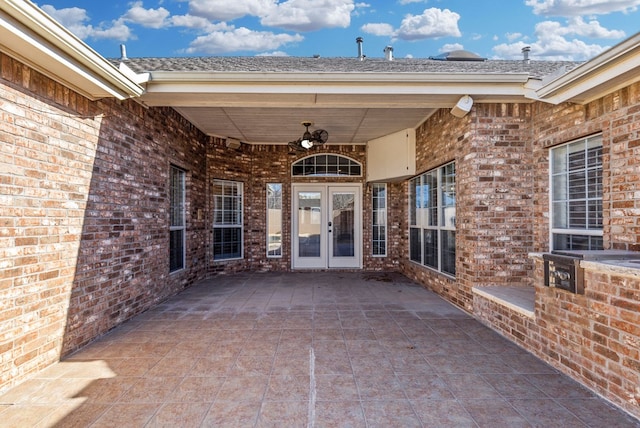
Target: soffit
point(268, 108)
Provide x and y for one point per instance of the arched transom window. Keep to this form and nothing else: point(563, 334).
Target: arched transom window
point(326, 166)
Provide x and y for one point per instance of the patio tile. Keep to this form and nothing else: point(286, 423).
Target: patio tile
point(495, 413)
point(150, 390)
point(597, 413)
point(430, 387)
point(396, 413)
point(545, 412)
point(243, 388)
point(339, 414)
point(278, 414)
point(288, 388)
point(184, 415)
point(336, 388)
point(328, 349)
point(126, 414)
point(197, 389)
point(232, 414)
point(513, 385)
point(73, 415)
point(25, 415)
point(447, 413)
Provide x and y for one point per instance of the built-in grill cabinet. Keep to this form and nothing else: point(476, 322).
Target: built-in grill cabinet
point(562, 268)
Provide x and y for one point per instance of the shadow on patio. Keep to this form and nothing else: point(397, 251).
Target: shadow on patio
point(300, 350)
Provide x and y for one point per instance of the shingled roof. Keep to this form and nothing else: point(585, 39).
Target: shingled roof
point(535, 69)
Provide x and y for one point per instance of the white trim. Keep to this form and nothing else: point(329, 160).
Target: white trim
point(34, 38)
point(611, 70)
point(277, 256)
point(183, 202)
point(324, 261)
point(240, 186)
point(566, 231)
point(386, 221)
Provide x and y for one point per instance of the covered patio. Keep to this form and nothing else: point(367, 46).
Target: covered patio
point(304, 349)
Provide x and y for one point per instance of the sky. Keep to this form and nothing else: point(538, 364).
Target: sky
point(573, 30)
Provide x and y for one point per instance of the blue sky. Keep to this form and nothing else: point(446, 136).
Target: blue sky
point(498, 29)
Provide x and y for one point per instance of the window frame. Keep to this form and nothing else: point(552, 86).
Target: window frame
point(433, 219)
point(237, 212)
point(376, 213)
point(308, 166)
point(593, 235)
point(182, 176)
point(277, 201)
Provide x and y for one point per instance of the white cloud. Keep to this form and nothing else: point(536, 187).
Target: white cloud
point(151, 18)
point(513, 36)
point(553, 41)
point(309, 15)
point(75, 20)
point(403, 2)
point(198, 23)
point(240, 39)
point(298, 15)
point(581, 7)
point(380, 29)
point(117, 30)
point(433, 23)
point(226, 10)
point(450, 47)
point(577, 26)
point(274, 53)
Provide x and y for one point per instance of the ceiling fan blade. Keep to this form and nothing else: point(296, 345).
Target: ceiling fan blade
point(320, 136)
point(296, 146)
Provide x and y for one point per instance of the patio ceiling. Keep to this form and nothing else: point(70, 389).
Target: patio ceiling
point(268, 108)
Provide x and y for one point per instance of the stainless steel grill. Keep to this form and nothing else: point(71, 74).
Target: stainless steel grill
point(562, 268)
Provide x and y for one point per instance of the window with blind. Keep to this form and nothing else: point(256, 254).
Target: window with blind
point(432, 217)
point(177, 223)
point(576, 195)
point(227, 220)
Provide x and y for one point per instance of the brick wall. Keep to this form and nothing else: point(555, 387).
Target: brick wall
point(257, 165)
point(84, 215)
point(617, 117)
point(494, 180)
point(595, 337)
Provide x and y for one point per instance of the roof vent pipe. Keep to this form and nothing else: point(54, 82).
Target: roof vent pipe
point(123, 52)
point(359, 41)
point(388, 53)
point(525, 54)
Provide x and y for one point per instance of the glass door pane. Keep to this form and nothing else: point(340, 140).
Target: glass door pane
point(343, 224)
point(309, 224)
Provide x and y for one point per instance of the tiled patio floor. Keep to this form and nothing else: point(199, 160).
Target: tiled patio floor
point(302, 350)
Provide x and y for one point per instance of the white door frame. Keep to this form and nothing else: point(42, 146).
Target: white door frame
point(324, 259)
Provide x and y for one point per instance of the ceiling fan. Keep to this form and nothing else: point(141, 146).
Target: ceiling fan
point(309, 139)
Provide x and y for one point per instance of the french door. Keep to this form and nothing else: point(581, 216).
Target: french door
point(326, 226)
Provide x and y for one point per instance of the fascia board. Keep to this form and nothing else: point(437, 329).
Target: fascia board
point(606, 67)
point(332, 83)
point(31, 36)
point(347, 77)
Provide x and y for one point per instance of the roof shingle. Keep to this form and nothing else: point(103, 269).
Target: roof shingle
point(536, 69)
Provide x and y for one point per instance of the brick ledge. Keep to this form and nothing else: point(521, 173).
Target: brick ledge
point(518, 299)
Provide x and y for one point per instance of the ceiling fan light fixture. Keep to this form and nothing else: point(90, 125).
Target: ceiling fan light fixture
point(308, 139)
